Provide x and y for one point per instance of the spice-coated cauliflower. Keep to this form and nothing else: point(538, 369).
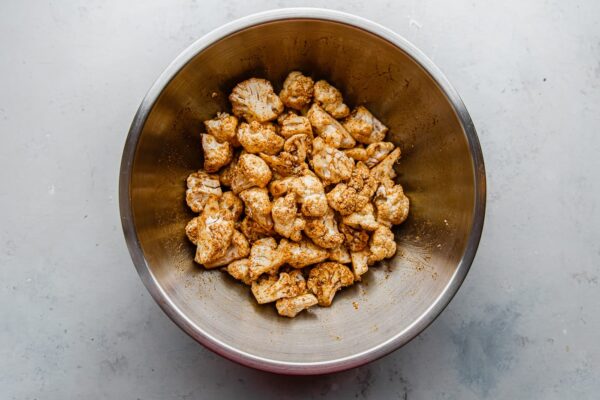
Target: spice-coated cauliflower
point(326, 279)
point(308, 191)
point(223, 128)
point(329, 129)
point(290, 307)
point(255, 100)
point(330, 99)
point(364, 127)
point(297, 90)
point(259, 138)
point(201, 187)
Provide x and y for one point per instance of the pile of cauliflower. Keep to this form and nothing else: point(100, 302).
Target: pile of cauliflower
point(297, 197)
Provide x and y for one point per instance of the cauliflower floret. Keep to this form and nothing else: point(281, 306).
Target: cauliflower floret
point(330, 164)
point(384, 171)
point(240, 270)
point(272, 288)
point(255, 100)
point(284, 164)
point(357, 154)
point(309, 193)
point(216, 155)
point(347, 198)
point(201, 186)
point(297, 146)
point(231, 202)
point(265, 257)
point(285, 216)
point(340, 254)
point(355, 239)
point(223, 128)
point(250, 171)
point(259, 138)
point(330, 99)
point(364, 127)
point(253, 230)
point(239, 248)
point(329, 129)
point(324, 231)
point(294, 305)
point(359, 263)
point(302, 253)
point(376, 152)
point(191, 230)
point(297, 90)
point(326, 279)
point(227, 173)
point(363, 218)
point(391, 204)
point(258, 206)
point(382, 244)
point(215, 230)
point(292, 124)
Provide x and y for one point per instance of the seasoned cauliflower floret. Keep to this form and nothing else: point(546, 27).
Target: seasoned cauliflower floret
point(355, 239)
point(324, 231)
point(191, 230)
point(292, 124)
point(302, 253)
point(223, 128)
point(255, 100)
point(285, 217)
point(201, 187)
point(239, 248)
point(297, 146)
point(231, 202)
point(297, 90)
point(290, 307)
point(384, 171)
point(250, 171)
point(215, 230)
point(382, 244)
point(253, 230)
point(330, 99)
point(347, 198)
point(340, 254)
point(259, 138)
point(216, 155)
point(326, 279)
point(228, 172)
point(240, 270)
point(265, 257)
point(357, 154)
point(329, 129)
point(376, 152)
point(272, 288)
point(360, 261)
point(309, 193)
point(330, 164)
point(391, 204)
point(364, 127)
point(364, 218)
point(258, 206)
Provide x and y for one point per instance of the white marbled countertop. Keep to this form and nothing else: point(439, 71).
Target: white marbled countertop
point(76, 321)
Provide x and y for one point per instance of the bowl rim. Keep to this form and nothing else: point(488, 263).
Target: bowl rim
point(214, 343)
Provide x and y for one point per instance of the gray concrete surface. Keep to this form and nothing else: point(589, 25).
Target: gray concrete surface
point(76, 322)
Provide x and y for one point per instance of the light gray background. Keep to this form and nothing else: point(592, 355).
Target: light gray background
point(76, 321)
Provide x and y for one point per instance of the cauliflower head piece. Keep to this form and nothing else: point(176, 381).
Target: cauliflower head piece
point(364, 127)
point(200, 188)
point(326, 279)
point(297, 90)
point(255, 100)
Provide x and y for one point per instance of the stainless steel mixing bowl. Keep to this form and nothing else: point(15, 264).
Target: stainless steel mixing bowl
point(441, 170)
